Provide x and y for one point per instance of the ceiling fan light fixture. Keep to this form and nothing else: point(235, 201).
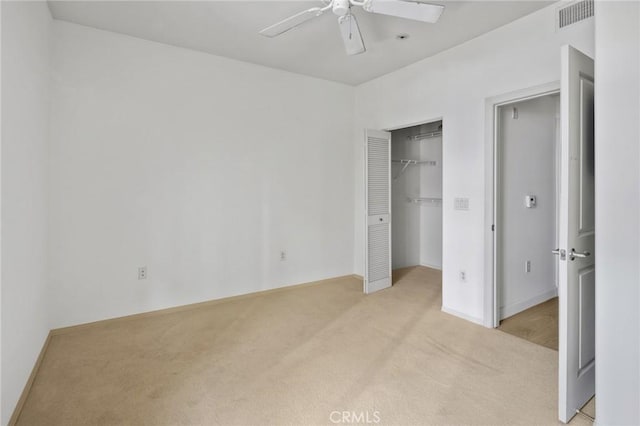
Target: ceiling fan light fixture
point(341, 7)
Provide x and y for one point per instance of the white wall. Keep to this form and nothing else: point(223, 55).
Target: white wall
point(454, 85)
point(431, 214)
point(25, 119)
point(617, 109)
point(405, 216)
point(528, 146)
point(199, 167)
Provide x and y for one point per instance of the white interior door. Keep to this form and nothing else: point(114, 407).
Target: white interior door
point(378, 210)
point(577, 234)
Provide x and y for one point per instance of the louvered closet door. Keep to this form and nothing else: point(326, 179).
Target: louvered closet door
point(378, 209)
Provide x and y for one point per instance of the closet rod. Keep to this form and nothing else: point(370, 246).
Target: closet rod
point(407, 161)
point(426, 200)
point(423, 136)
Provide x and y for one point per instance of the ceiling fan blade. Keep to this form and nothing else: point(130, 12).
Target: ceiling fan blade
point(292, 22)
point(351, 34)
point(407, 9)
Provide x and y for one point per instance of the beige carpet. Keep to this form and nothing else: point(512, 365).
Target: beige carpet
point(294, 357)
point(538, 324)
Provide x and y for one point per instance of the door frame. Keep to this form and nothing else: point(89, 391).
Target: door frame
point(491, 309)
point(391, 128)
point(414, 124)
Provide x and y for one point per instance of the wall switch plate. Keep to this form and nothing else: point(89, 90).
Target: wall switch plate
point(527, 266)
point(142, 273)
point(461, 203)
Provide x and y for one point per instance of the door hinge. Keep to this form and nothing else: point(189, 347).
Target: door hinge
point(493, 227)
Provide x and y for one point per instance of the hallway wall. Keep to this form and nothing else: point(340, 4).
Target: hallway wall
point(26, 38)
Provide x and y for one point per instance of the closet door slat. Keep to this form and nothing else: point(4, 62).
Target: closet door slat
point(378, 209)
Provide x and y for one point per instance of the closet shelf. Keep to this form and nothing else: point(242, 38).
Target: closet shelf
point(408, 162)
point(425, 200)
point(423, 136)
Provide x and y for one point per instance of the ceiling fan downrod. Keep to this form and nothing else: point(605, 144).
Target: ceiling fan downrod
point(342, 7)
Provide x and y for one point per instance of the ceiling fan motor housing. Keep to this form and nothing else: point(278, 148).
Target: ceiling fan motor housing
point(341, 7)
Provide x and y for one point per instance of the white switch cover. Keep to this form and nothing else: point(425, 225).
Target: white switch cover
point(461, 204)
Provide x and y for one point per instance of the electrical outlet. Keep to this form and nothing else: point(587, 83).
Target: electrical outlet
point(142, 273)
point(283, 255)
point(527, 266)
point(463, 276)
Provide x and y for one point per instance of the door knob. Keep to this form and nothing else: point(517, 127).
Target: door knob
point(575, 254)
point(560, 252)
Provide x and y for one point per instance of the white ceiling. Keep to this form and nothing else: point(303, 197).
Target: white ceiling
point(230, 29)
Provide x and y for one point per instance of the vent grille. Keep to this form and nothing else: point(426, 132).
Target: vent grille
point(575, 13)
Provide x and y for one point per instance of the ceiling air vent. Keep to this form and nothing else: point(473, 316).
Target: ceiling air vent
point(575, 12)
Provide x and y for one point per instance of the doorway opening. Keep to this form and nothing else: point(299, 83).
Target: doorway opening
point(574, 224)
point(416, 198)
point(526, 209)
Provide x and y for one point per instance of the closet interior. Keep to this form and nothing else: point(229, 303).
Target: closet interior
point(416, 196)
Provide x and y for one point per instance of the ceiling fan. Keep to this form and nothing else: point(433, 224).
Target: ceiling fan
point(408, 9)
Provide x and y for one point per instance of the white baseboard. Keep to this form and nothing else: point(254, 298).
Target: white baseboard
point(27, 387)
point(427, 265)
point(462, 315)
point(515, 308)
